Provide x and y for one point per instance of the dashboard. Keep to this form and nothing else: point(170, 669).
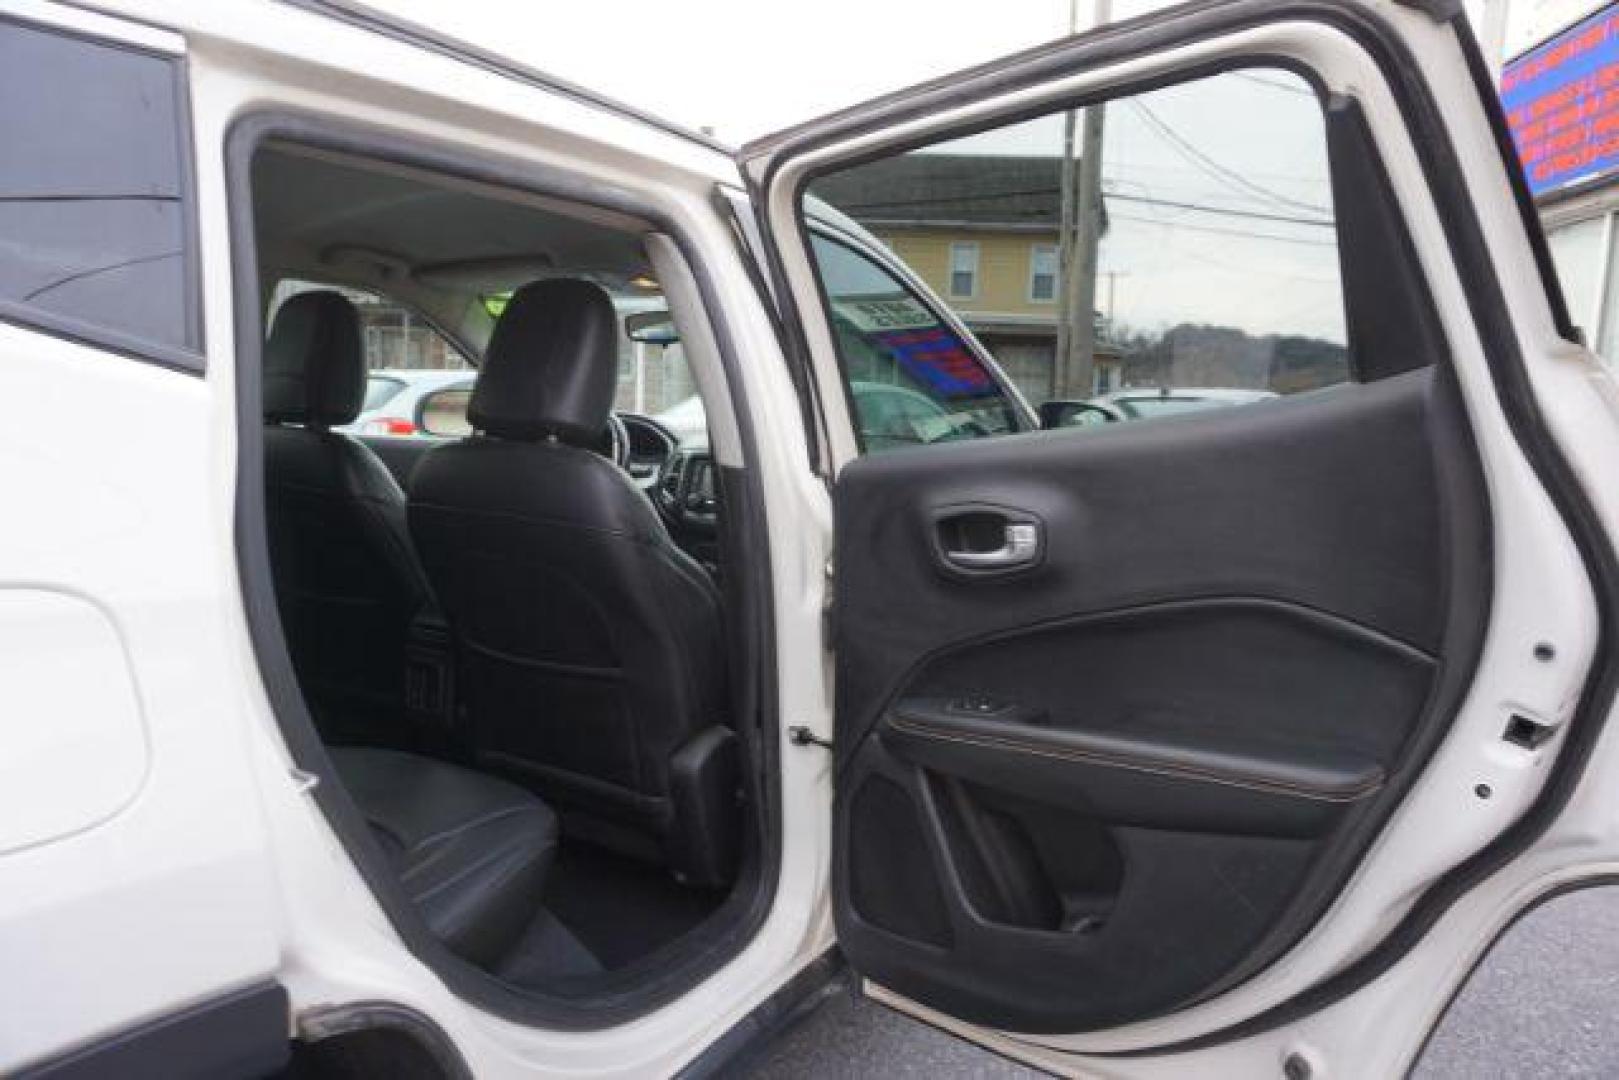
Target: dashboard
point(680, 480)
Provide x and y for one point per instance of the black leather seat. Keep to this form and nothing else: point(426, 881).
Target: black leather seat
point(347, 579)
point(471, 851)
point(590, 644)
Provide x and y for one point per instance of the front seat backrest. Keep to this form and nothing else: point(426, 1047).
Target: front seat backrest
point(347, 581)
point(591, 659)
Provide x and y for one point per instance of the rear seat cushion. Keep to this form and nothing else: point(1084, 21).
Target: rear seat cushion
point(471, 851)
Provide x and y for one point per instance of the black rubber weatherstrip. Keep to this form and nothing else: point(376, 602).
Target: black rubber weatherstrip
point(616, 997)
point(1471, 255)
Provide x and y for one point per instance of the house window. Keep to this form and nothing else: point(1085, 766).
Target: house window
point(1043, 273)
point(963, 270)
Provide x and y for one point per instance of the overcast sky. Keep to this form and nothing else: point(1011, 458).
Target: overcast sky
point(746, 68)
point(1247, 151)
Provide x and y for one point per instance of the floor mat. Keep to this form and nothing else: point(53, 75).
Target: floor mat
point(547, 951)
point(619, 909)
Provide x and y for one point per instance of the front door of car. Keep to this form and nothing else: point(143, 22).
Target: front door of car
point(1224, 734)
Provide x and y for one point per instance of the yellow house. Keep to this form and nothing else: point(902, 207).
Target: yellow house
point(982, 231)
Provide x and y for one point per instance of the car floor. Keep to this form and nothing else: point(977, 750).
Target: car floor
point(602, 911)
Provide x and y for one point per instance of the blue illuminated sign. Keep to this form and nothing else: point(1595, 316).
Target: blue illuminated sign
point(1562, 104)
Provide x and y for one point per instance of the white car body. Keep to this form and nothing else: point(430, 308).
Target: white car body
point(159, 845)
point(392, 414)
point(1120, 405)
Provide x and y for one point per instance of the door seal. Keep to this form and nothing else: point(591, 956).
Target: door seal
point(1440, 11)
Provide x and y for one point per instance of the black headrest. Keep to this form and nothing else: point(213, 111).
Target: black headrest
point(551, 366)
point(314, 363)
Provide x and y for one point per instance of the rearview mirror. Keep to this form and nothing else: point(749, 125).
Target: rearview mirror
point(1066, 414)
point(651, 328)
point(443, 413)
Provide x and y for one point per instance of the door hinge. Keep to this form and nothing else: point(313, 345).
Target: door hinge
point(799, 735)
point(829, 624)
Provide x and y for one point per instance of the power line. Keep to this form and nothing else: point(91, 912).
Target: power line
point(1273, 84)
point(1217, 230)
point(1257, 215)
point(855, 209)
point(1213, 168)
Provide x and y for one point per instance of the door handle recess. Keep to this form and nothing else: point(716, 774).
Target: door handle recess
point(978, 540)
point(1020, 547)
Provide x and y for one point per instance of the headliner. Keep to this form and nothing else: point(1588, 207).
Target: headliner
point(319, 213)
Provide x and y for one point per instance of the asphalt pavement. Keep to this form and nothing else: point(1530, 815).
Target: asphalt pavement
point(1545, 1003)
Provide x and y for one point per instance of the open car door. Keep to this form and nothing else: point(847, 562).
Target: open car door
point(1227, 741)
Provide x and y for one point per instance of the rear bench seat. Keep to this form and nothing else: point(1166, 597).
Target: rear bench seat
point(471, 851)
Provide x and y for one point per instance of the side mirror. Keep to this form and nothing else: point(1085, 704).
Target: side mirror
point(1066, 414)
point(443, 413)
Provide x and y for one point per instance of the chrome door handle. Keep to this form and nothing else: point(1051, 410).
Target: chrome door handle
point(1021, 547)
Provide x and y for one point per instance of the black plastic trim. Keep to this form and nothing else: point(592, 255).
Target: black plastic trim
point(1389, 310)
point(735, 208)
point(333, 1021)
point(627, 993)
point(241, 1034)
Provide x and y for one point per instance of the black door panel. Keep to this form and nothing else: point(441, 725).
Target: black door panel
point(1103, 780)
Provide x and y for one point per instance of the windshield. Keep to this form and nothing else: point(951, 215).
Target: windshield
point(379, 390)
point(913, 379)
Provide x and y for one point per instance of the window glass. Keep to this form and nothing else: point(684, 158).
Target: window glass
point(408, 360)
point(1043, 272)
point(396, 338)
point(653, 376)
point(1577, 252)
point(1606, 340)
point(963, 269)
point(1207, 215)
point(912, 379)
point(93, 232)
point(420, 384)
point(379, 390)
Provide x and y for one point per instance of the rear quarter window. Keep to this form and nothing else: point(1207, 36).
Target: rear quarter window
point(94, 233)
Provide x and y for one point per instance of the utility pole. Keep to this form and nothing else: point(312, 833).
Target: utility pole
point(1078, 367)
point(1065, 238)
